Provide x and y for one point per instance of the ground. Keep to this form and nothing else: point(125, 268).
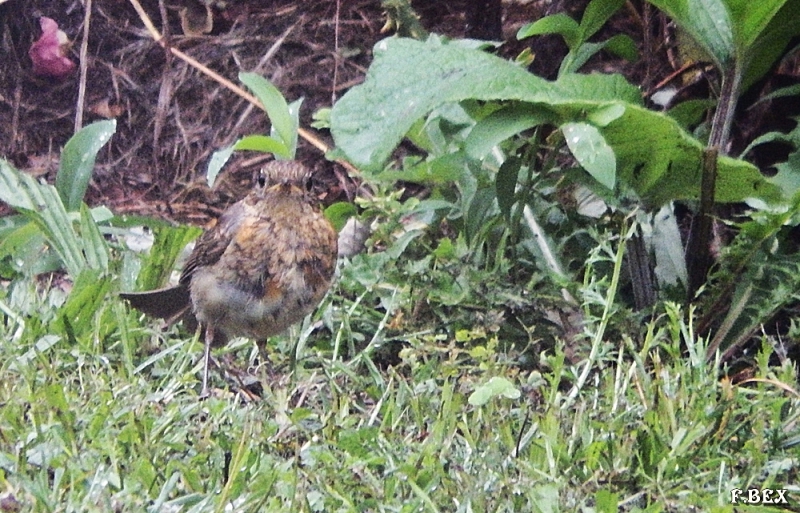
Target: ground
point(171, 118)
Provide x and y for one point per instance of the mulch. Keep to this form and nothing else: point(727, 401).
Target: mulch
point(171, 117)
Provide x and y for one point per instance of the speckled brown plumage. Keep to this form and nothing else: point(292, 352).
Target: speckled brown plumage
point(264, 266)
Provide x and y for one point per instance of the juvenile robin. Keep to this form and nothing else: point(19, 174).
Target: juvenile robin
point(264, 266)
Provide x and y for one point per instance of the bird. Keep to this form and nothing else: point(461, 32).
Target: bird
point(264, 266)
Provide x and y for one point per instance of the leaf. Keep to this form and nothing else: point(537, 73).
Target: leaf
point(771, 42)
point(506, 185)
point(750, 19)
point(623, 46)
point(41, 204)
point(596, 15)
point(77, 161)
point(264, 144)
point(668, 248)
point(13, 185)
point(502, 124)
point(409, 79)
point(339, 213)
point(592, 152)
point(691, 112)
point(23, 242)
point(218, 160)
point(294, 112)
point(577, 58)
point(168, 243)
point(88, 293)
point(708, 22)
point(655, 158)
point(495, 387)
point(95, 248)
point(444, 169)
point(605, 115)
point(275, 105)
point(606, 501)
point(559, 23)
point(661, 162)
point(748, 34)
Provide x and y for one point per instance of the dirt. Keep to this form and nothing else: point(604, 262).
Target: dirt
point(171, 117)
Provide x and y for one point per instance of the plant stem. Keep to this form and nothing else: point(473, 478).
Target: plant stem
point(698, 251)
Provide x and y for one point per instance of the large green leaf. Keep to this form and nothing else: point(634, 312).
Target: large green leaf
point(750, 18)
point(662, 162)
point(655, 158)
point(408, 79)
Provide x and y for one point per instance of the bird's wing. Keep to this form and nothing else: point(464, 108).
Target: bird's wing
point(213, 242)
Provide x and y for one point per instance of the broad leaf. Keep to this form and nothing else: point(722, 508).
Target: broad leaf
point(408, 79)
point(655, 158)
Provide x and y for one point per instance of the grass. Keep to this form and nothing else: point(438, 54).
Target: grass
point(102, 413)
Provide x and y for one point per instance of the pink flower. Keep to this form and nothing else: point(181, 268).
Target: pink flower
point(47, 54)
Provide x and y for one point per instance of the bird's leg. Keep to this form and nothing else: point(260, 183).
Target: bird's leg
point(209, 338)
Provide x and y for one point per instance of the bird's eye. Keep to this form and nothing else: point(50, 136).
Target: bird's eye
point(309, 184)
point(262, 179)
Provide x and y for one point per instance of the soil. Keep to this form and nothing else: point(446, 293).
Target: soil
point(171, 117)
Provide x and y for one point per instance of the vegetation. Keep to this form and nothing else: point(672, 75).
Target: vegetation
point(485, 353)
